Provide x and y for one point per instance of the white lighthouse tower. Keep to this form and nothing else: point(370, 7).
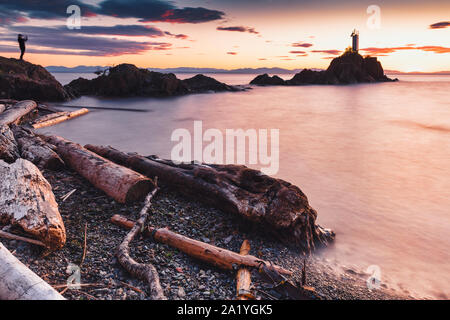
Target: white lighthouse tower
point(355, 40)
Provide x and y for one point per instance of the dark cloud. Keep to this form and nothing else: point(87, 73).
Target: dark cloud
point(122, 30)
point(334, 52)
point(157, 11)
point(48, 9)
point(144, 10)
point(178, 36)
point(78, 44)
point(297, 52)
point(238, 29)
point(189, 15)
point(302, 45)
point(117, 30)
point(7, 18)
point(440, 25)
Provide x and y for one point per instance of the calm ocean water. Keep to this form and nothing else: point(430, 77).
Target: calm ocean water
point(373, 159)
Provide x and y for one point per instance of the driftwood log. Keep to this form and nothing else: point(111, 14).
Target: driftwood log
point(63, 116)
point(278, 206)
point(36, 150)
point(120, 183)
point(27, 201)
point(17, 282)
point(218, 257)
point(2, 107)
point(48, 116)
point(9, 150)
point(243, 277)
point(16, 112)
point(142, 271)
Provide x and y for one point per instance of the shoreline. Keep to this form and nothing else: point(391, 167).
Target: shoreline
point(198, 281)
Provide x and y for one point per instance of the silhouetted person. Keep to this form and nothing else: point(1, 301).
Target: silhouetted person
point(21, 39)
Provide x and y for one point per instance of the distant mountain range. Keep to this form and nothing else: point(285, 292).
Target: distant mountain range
point(233, 71)
point(92, 69)
point(79, 69)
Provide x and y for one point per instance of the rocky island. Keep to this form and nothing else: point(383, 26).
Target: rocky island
point(349, 68)
point(127, 80)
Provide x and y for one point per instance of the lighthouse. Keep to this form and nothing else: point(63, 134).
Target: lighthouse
point(355, 40)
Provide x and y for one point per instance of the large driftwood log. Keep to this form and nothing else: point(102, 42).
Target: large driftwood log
point(16, 112)
point(27, 200)
point(218, 257)
point(17, 282)
point(41, 123)
point(142, 271)
point(278, 206)
point(120, 183)
point(9, 150)
point(36, 150)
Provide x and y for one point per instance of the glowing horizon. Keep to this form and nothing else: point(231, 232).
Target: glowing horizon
point(228, 34)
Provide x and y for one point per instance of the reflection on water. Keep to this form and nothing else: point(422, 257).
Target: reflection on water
point(364, 155)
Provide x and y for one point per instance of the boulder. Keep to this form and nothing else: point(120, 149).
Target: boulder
point(265, 79)
point(202, 83)
point(22, 80)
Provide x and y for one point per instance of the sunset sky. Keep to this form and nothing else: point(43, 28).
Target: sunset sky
point(409, 36)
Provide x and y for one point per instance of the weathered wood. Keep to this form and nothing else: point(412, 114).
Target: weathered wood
point(16, 112)
point(9, 150)
point(17, 282)
point(2, 107)
point(142, 271)
point(281, 208)
point(27, 201)
point(49, 116)
point(120, 183)
point(63, 117)
point(10, 236)
point(36, 150)
point(218, 257)
point(243, 277)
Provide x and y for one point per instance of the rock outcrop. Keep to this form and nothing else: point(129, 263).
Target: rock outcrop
point(21, 80)
point(349, 68)
point(266, 80)
point(127, 80)
point(201, 83)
